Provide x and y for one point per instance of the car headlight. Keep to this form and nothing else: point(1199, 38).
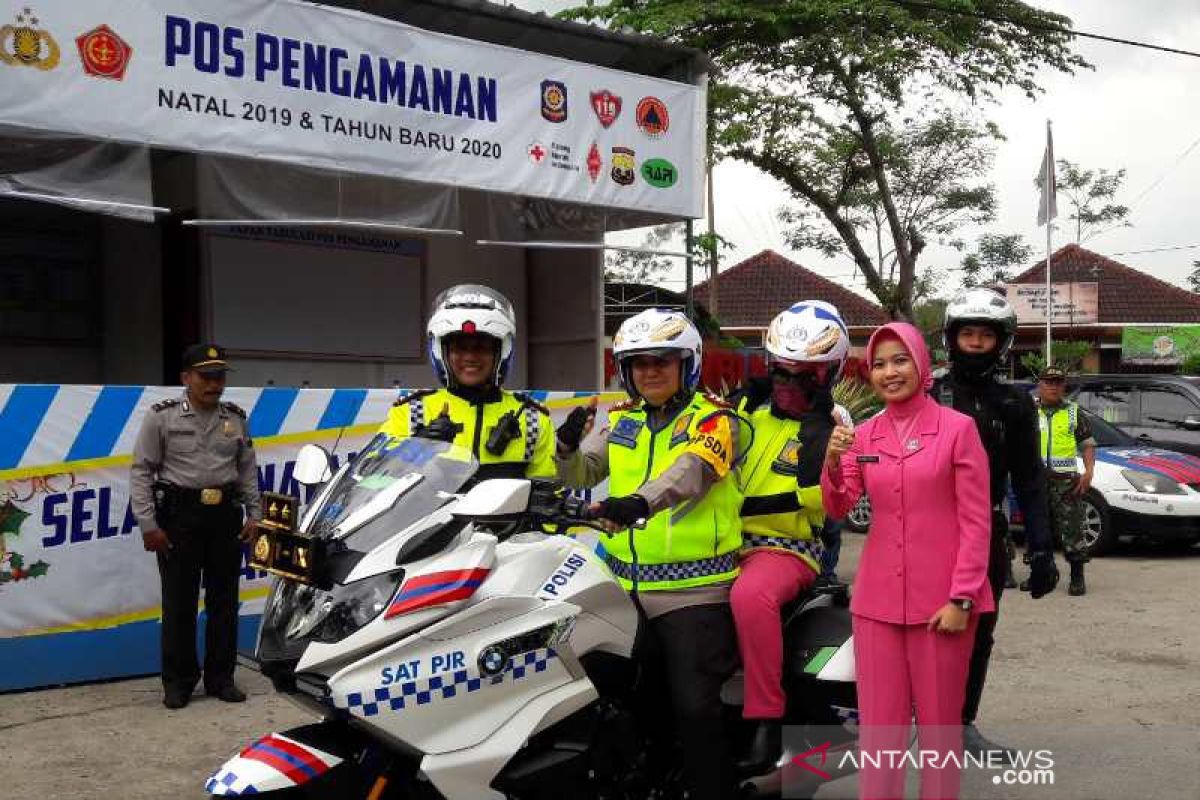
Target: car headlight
point(1151, 482)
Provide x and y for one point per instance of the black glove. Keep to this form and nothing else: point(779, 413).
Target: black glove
point(624, 510)
point(1043, 573)
point(571, 431)
point(442, 429)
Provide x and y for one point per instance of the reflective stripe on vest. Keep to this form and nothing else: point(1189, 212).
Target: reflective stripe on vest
point(810, 549)
point(693, 544)
point(671, 573)
point(1057, 432)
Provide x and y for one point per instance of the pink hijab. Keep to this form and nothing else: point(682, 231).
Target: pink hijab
point(913, 341)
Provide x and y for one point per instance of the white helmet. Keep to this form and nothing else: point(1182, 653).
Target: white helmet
point(657, 331)
point(980, 306)
point(810, 331)
point(471, 309)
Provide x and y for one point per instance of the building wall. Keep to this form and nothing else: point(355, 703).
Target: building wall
point(566, 319)
point(122, 342)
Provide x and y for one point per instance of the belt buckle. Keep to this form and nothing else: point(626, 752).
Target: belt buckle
point(210, 497)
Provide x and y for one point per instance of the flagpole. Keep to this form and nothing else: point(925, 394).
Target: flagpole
point(1047, 193)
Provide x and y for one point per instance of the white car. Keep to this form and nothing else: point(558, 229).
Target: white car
point(1137, 491)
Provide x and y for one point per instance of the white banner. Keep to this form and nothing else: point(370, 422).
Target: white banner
point(1077, 303)
point(293, 81)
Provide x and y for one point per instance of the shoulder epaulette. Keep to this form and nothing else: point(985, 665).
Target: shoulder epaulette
point(163, 405)
point(417, 395)
point(625, 405)
point(235, 408)
point(719, 402)
point(528, 401)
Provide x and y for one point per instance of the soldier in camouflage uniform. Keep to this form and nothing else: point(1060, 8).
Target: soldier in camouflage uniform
point(1065, 434)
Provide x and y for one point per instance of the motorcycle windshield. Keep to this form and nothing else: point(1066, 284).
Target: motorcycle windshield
point(393, 483)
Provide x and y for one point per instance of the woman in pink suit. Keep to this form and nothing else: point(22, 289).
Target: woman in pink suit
point(922, 579)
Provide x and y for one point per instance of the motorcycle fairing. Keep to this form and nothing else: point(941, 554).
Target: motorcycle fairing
point(272, 763)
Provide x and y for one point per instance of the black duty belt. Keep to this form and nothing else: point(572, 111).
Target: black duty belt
point(179, 496)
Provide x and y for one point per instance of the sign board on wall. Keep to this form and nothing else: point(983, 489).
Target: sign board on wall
point(1077, 303)
point(1165, 346)
point(328, 87)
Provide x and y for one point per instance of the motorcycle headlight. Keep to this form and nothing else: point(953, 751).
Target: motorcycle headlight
point(347, 608)
point(1151, 482)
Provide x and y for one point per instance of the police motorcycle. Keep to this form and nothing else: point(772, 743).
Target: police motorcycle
point(453, 644)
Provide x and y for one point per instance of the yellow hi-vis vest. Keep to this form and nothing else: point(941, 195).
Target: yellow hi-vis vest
point(1057, 429)
point(776, 513)
point(533, 448)
point(696, 543)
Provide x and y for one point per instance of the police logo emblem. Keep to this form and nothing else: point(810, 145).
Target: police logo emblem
point(626, 432)
point(652, 117)
point(554, 101)
point(104, 54)
point(624, 167)
point(679, 434)
point(25, 45)
point(607, 106)
point(594, 162)
point(788, 460)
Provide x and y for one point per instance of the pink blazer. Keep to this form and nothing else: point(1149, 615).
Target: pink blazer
point(930, 515)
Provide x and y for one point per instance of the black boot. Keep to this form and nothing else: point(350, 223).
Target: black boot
point(974, 742)
point(1077, 587)
point(765, 750)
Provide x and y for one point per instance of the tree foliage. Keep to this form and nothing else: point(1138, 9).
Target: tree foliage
point(820, 93)
point(993, 259)
point(1067, 354)
point(1193, 278)
point(641, 267)
point(1092, 196)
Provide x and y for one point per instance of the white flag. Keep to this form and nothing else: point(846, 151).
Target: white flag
point(1047, 184)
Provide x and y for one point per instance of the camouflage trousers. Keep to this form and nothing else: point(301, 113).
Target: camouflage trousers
point(1066, 519)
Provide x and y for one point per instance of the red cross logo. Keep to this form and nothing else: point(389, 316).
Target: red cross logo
point(536, 153)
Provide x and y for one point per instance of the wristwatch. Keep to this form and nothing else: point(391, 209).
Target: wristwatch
point(963, 603)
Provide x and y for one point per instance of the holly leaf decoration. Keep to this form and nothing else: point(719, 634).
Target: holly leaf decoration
point(16, 561)
point(11, 518)
point(37, 569)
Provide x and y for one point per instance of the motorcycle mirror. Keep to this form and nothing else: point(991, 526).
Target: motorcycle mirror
point(498, 497)
point(313, 465)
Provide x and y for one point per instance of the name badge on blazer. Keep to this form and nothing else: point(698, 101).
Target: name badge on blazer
point(867, 459)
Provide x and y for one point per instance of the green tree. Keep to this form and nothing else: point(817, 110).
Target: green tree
point(1092, 196)
point(1067, 354)
point(938, 171)
point(994, 258)
point(628, 266)
point(1193, 278)
point(821, 94)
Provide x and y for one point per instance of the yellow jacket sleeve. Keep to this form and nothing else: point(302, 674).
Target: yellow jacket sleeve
point(396, 423)
point(542, 464)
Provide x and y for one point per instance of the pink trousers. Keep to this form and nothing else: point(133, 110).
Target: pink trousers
point(768, 580)
point(899, 668)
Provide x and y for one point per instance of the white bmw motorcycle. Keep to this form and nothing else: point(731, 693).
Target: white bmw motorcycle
point(459, 645)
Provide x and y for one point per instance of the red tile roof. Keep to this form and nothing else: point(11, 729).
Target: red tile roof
point(1126, 295)
point(751, 293)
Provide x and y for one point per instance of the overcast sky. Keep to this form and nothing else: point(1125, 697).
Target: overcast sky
point(1137, 109)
